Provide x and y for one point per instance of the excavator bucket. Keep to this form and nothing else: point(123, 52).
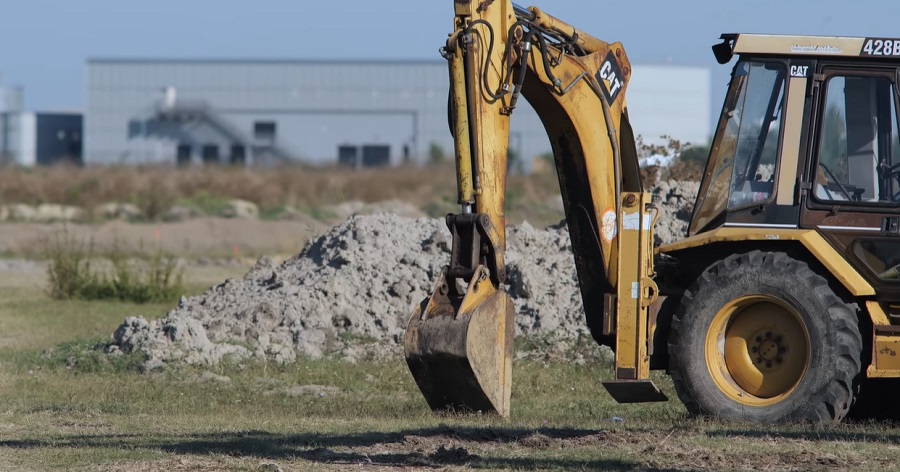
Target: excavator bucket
point(459, 347)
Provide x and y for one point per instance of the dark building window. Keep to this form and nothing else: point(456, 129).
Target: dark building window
point(264, 130)
point(210, 154)
point(183, 154)
point(376, 155)
point(135, 128)
point(348, 155)
point(238, 155)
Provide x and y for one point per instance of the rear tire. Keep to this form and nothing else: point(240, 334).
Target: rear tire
point(760, 336)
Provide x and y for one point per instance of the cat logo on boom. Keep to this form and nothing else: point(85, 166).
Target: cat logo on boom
point(611, 74)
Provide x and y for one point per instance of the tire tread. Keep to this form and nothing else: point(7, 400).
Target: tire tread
point(829, 403)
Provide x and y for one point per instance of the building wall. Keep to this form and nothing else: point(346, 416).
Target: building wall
point(10, 111)
point(318, 106)
point(26, 154)
point(671, 100)
point(36, 138)
point(44, 138)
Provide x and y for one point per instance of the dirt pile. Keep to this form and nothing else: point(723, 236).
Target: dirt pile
point(349, 293)
point(675, 201)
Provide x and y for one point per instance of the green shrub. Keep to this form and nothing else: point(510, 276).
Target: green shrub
point(87, 356)
point(141, 278)
point(205, 201)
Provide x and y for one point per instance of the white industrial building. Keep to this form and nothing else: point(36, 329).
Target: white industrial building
point(261, 111)
point(30, 138)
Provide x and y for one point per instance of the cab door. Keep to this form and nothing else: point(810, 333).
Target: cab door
point(852, 182)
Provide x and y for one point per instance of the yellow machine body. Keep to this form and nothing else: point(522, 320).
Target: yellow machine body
point(758, 244)
point(459, 341)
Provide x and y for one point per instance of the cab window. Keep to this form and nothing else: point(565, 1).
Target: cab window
point(859, 151)
point(741, 167)
point(753, 178)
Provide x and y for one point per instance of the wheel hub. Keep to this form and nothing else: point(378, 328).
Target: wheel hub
point(768, 350)
point(757, 350)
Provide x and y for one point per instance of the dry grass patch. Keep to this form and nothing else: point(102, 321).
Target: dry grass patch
point(156, 189)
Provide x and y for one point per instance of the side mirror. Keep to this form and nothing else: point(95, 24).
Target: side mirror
point(723, 51)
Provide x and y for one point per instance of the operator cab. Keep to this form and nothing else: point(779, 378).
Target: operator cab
point(808, 138)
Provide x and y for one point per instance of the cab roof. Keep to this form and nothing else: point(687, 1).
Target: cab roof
point(784, 45)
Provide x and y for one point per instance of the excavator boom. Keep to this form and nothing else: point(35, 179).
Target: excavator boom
point(459, 340)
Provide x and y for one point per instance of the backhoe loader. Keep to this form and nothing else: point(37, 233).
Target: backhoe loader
point(784, 298)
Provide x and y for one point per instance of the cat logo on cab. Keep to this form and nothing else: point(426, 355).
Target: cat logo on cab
point(799, 71)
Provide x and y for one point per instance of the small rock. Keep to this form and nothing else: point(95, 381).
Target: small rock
point(49, 212)
point(242, 209)
point(116, 210)
point(320, 391)
point(21, 212)
point(181, 213)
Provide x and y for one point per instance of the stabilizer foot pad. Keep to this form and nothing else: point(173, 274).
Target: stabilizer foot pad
point(634, 391)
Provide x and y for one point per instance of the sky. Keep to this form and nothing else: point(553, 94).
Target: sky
point(44, 44)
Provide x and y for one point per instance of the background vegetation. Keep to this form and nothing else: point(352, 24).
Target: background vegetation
point(75, 272)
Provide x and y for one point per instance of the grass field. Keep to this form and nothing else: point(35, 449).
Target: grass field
point(65, 407)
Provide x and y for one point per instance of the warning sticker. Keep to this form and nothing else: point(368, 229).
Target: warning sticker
point(609, 226)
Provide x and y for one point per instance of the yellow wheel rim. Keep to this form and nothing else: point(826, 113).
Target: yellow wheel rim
point(757, 350)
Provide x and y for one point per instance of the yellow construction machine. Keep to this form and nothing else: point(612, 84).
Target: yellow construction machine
point(783, 299)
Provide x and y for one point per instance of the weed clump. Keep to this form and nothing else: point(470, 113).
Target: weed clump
point(76, 273)
point(87, 356)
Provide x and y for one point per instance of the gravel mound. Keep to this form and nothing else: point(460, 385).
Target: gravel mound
point(675, 201)
point(349, 294)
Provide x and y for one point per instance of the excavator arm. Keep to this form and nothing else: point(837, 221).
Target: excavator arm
point(459, 341)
